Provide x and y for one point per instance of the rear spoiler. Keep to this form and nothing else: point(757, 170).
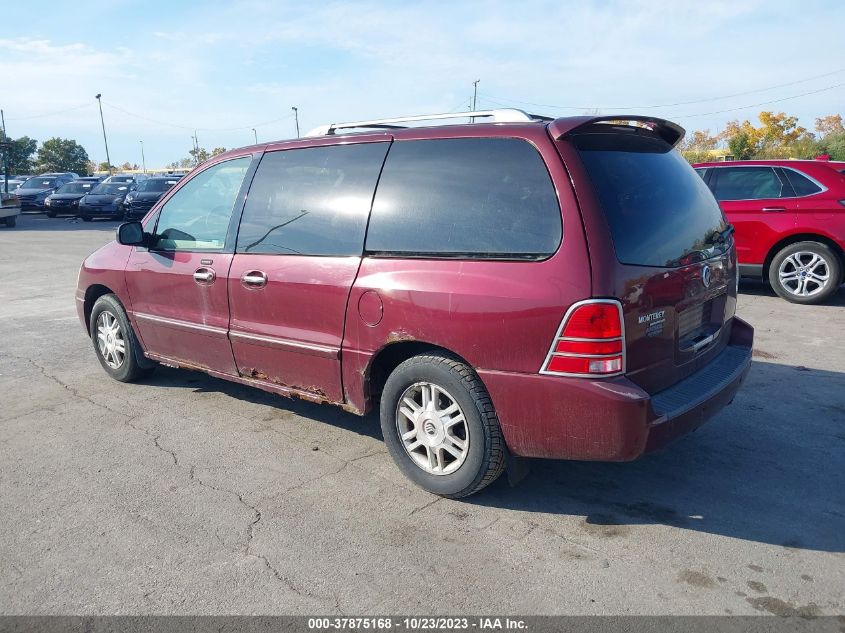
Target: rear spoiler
point(670, 132)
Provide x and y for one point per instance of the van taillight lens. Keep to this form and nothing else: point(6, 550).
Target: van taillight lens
point(590, 341)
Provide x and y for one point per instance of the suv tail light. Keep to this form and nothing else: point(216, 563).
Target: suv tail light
point(589, 342)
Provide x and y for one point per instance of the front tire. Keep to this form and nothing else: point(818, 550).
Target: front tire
point(115, 342)
point(806, 272)
point(440, 427)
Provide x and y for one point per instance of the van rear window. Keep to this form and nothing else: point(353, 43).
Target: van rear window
point(660, 212)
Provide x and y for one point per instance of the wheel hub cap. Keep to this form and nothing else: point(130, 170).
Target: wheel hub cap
point(110, 342)
point(432, 428)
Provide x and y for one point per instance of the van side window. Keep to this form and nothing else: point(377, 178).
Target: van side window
point(197, 216)
point(312, 201)
point(747, 183)
point(476, 197)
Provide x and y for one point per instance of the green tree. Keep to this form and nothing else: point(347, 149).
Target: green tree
point(834, 145)
point(19, 154)
point(59, 154)
point(742, 146)
point(104, 166)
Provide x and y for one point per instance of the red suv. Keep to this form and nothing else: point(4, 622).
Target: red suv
point(789, 219)
point(522, 287)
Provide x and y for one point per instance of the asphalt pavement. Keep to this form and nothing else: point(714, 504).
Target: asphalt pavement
point(184, 494)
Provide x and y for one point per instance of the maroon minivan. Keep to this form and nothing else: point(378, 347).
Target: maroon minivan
point(521, 287)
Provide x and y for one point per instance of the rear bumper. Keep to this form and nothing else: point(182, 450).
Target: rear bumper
point(613, 419)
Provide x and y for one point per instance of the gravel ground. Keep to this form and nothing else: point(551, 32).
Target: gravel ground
point(190, 495)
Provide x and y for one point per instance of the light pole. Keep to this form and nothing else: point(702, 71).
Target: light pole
point(256, 135)
point(474, 97)
point(296, 118)
point(143, 160)
point(105, 140)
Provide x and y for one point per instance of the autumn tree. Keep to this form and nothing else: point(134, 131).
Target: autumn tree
point(830, 124)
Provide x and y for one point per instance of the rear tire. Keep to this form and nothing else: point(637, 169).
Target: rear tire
point(440, 427)
point(115, 343)
point(806, 272)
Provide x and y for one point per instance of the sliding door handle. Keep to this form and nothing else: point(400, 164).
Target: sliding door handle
point(774, 209)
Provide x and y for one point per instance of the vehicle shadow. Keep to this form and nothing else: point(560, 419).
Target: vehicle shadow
point(40, 222)
point(758, 288)
point(769, 468)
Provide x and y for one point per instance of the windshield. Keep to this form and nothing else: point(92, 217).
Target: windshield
point(75, 187)
point(111, 188)
point(660, 212)
point(156, 185)
point(39, 183)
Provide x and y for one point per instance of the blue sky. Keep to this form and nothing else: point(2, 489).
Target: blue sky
point(167, 68)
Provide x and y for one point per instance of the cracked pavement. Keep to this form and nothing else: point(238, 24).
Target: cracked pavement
point(183, 494)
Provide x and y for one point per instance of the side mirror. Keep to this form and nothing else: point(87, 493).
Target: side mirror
point(131, 234)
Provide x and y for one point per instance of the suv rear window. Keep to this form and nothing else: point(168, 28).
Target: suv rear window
point(660, 212)
point(802, 185)
point(473, 197)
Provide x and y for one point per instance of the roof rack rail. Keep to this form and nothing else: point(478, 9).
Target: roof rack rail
point(504, 115)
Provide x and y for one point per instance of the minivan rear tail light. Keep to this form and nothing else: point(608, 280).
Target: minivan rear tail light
point(590, 341)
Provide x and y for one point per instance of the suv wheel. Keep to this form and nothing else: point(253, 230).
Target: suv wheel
point(805, 272)
point(440, 427)
point(115, 343)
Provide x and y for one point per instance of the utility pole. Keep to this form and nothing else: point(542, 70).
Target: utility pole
point(296, 118)
point(7, 147)
point(196, 144)
point(143, 160)
point(105, 140)
point(256, 135)
point(474, 98)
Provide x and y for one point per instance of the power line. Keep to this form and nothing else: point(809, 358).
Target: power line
point(46, 114)
point(762, 103)
point(191, 127)
point(665, 105)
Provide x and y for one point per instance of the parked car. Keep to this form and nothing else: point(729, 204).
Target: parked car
point(35, 190)
point(427, 271)
point(790, 222)
point(10, 208)
point(94, 179)
point(139, 202)
point(104, 201)
point(12, 183)
point(65, 200)
point(126, 178)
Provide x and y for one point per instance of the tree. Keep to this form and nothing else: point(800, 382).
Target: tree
point(830, 124)
point(19, 154)
point(58, 154)
point(697, 147)
point(104, 166)
point(217, 151)
point(127, 166)
point(742, 146)
point(834, 145)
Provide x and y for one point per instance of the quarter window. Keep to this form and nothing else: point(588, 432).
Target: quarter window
point(197, 216)
point(746, 183)
point(312, 201)
point(802, 185)
point(478, 197)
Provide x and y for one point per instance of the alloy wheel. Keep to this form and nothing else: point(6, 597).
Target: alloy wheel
point(433, 429)
point(110, 339)
point(804, 273)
